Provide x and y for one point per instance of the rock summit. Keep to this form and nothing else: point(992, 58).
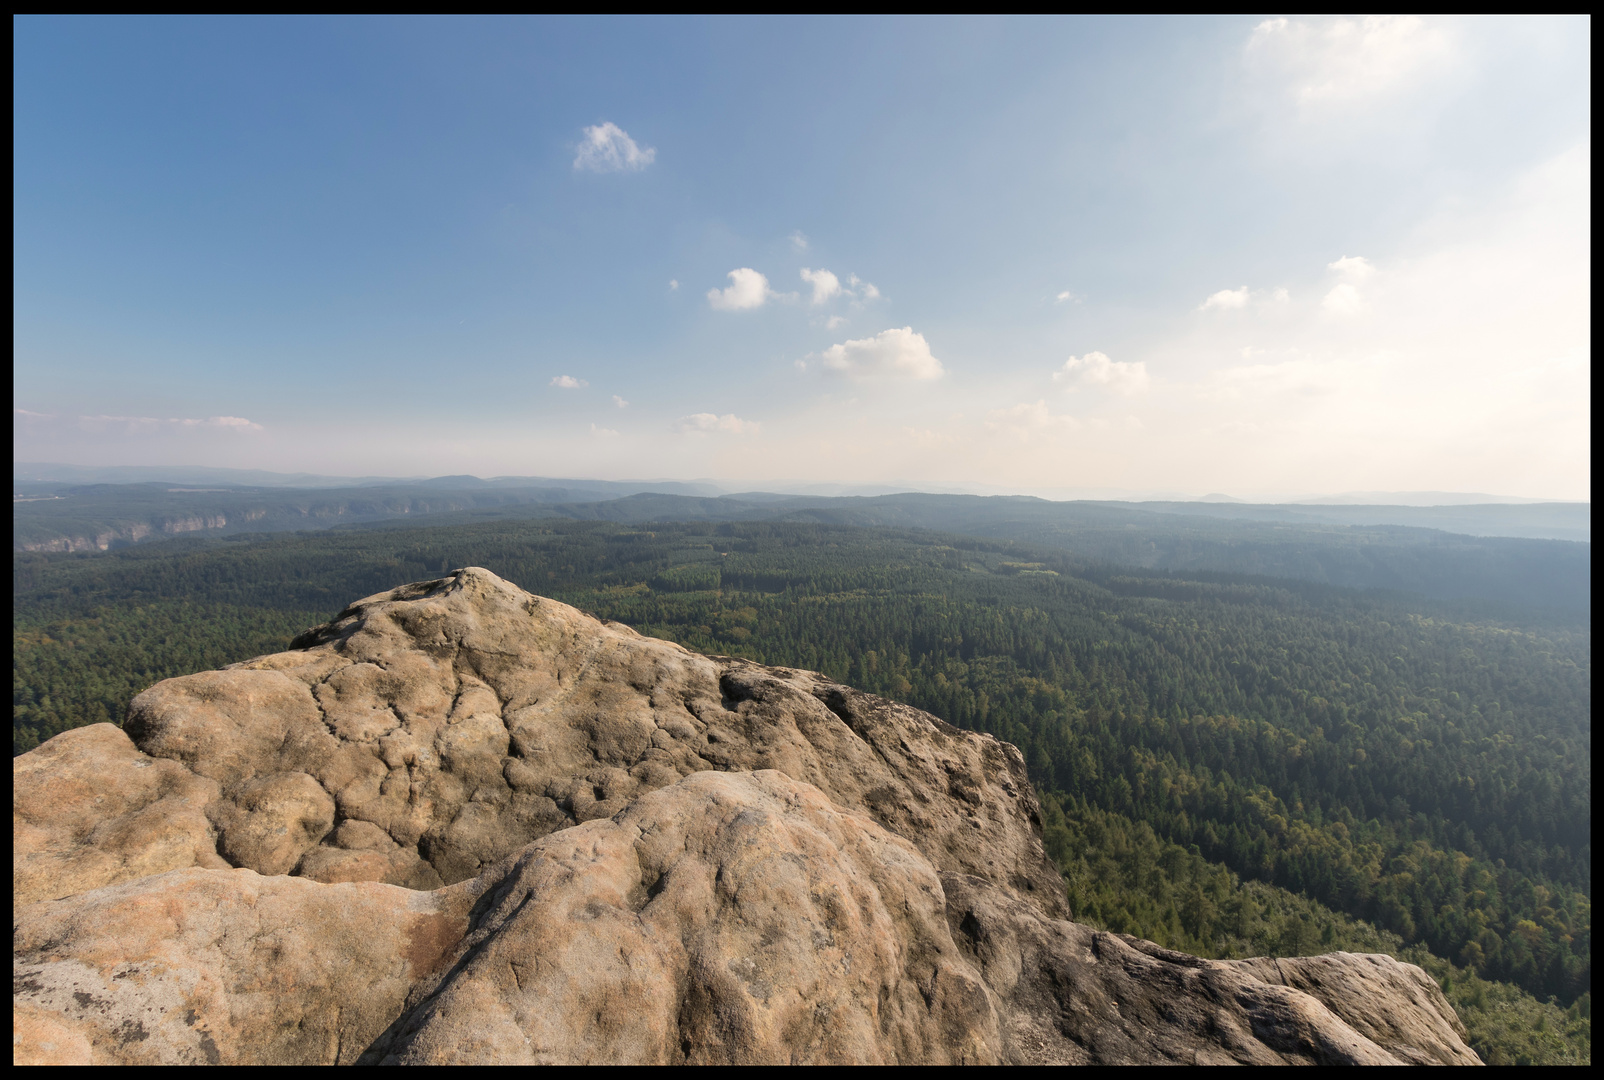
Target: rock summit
point(465, 824)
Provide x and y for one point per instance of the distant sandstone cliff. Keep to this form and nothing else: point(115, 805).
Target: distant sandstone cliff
point(100, 517)
point(130, 533)
point(462, 823)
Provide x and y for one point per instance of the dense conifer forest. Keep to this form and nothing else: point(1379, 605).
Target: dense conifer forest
point(1231, 765)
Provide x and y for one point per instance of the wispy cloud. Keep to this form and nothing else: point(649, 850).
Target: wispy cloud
point(568, 382)
point(747, 289)
point(603, 432)
point(1028, 419)
point(233, 423)
point(862, 289)
point(608, 148)
point(799, 240)
point(1265, 383)
point(707, 423)
point(620, 402)
point(673, 283)
point(171, 423)
point(896, 353)
point(827, 286)
point(1096, 369)
point(1344, 300)
point(1065, 297)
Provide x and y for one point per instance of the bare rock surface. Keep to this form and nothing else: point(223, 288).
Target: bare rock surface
point(1417, 1025)
point(224, 967)
point(465, 824)
point(88, 809)
point(726, 919)
point(464, 718)
point(1077, 995)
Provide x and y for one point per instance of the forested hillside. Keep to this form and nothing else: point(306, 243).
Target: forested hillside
point(1523, 554)
point(1402, 548)
point(1232, 764)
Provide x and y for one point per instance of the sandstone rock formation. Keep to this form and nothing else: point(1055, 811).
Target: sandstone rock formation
point(462, 823)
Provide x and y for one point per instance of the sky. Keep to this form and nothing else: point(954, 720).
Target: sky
point(1263, 257)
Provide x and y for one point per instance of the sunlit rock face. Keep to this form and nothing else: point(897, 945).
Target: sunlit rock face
point(462, 823)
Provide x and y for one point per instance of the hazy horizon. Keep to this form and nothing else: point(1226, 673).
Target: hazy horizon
point(1274, 259)
point(61, 472)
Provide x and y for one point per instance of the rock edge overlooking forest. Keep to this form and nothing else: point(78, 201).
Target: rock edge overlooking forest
point(462, 823)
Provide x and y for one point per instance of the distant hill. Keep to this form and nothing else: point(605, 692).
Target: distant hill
point(47, 474)
point(1375, 547)
point(1530, 554)
point(55, 515)
point(1416, 498)
point(986, 513)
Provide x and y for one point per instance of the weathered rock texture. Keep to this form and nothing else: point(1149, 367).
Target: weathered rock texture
point(725, 918)
point(1076, 995)
point(226, 967)
point(88, 809)
point(462, 823)
point(464, 718)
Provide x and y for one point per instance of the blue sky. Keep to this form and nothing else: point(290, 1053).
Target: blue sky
point(1266, 257)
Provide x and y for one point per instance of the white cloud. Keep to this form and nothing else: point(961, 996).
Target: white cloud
point(1281, 296)
point(835, 321)
point(1344, 300)
point(707, 423)
point(28, 414)
point(1354, 267)
point(748, 289)
point(826, 287)
point(1096, 369)
point(603, 432)
point(1340, 60)
point(825, 284)
point(1226, 298)
point(673, 283)
point(897, 353)
point(567, 382)
point(608, 148)
point(799, 241)
point(620, 402)
point(1065, 297)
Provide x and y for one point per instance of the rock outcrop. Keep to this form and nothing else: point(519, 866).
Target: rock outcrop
point(462, 823)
